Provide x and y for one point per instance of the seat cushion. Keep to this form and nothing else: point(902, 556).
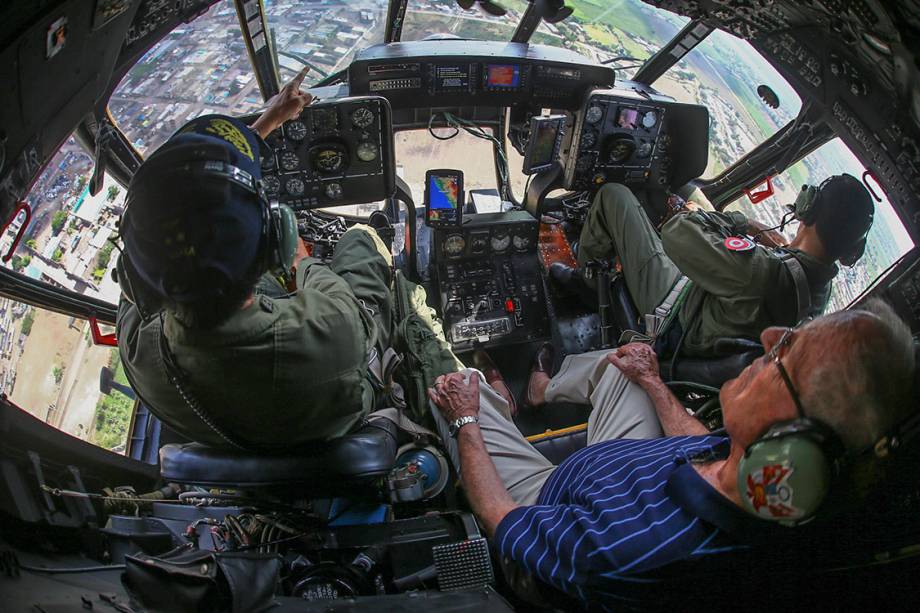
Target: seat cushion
point(557, 446)
point(364, 454)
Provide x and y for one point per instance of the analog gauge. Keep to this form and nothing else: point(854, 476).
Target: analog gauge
point(290, 161)
point(649, 119)
point(584, 163)
point(588, 139)
point(329, 159)
point(325, 120)
point(644, 149)
point(268, 161)
point(334, 191)
point(522, 242)
point(272, 184)
point(500, 242)
point(594, 114)
point(294, 186)
point(295, 130)
point(621, 149)
point(454, 245)
point(478, 243)
point(367, 152)
point(362, 117)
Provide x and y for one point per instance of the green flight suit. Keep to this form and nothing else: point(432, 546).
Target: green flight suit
point(284, 370)
point(733, 293)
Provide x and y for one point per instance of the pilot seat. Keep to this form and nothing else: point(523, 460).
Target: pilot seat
point(342, 465)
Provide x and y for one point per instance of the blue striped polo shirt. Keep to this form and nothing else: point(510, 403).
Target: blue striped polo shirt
point(614, 512)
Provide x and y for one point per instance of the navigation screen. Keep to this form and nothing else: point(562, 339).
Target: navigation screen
point(503, 75)
point(543, 146)
point(628, 119)
point(443, 198)
point(451, 77)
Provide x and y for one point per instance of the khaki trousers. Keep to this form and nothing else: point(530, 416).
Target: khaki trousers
point(620, 409)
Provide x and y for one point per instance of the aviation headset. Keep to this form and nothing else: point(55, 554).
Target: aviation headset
point(809, 207)
point(787, 473)
point(197, 162)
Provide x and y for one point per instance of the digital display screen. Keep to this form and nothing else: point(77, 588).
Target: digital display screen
point(628, 119)
point(452, 77)
point(443, 199)
point(503, 75)
point(544, 145)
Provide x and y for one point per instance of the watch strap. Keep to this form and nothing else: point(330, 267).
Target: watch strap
point(462, 421)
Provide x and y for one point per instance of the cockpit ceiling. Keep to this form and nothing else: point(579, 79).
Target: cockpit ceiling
point(856, 59)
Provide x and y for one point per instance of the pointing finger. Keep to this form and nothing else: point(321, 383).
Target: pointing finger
point(296, 81)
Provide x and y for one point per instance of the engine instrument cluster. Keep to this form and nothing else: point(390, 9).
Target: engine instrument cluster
point(337, 152)
point(490, 286)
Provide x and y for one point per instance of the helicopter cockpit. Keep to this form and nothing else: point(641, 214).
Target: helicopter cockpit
point(473, 138)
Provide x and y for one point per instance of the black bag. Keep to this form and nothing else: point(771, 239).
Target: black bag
point(202, 581)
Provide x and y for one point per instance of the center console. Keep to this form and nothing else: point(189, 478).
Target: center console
point(489, 282)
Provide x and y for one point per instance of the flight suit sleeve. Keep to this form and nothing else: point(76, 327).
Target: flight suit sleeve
point(695, 243)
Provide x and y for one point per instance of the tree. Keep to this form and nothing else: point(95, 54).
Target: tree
point(81, 183)
point(31, 244)
point(27, 322)
point(113, 192)
point(58, 373)
point(58, 254)
point(58, 221)
point(104, 255)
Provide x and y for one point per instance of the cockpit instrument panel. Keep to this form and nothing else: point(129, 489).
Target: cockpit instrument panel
point(627, 138)
point(467, 73)
point(337, 152)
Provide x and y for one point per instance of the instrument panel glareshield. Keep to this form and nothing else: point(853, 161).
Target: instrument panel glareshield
point(335, 153)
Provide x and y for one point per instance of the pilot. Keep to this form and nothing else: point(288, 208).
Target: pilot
point(608, 522)
point(212, 341)
point(705, 279)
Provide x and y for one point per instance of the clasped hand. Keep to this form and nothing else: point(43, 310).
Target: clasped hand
point(637, 362)
point(455, 397)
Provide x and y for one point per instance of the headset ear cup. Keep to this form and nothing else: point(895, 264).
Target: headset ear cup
point(284, 238)
point(804, 204)
point(784, 479)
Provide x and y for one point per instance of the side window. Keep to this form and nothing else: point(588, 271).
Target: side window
point(888, 240)
point(727, 75)
point(49, 365)
point(51, 369)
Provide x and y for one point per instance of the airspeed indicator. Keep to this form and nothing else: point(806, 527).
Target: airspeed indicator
point(362, 117)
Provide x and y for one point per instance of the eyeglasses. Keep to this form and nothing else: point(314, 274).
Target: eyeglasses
point(784, 340)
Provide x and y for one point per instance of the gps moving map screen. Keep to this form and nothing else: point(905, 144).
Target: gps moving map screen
point(443, 197)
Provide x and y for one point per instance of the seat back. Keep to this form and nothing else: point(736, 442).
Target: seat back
point(327, 468)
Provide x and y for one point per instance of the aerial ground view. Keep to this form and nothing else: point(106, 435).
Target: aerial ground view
point(50, 366)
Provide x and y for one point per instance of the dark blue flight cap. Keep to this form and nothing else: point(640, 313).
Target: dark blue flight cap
point(194, 222)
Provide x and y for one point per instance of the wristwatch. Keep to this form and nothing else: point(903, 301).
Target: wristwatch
point(460, 422)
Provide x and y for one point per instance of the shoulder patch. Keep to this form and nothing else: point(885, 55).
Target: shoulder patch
point(738, 243)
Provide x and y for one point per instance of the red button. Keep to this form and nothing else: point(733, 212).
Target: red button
point(509, 305)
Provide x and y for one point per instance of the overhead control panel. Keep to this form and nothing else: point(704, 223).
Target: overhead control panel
point(490, 286)
point(467, 73)
point(625, 138)
point(336, 153)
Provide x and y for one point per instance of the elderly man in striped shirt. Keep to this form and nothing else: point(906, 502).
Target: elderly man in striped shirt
point(606, 522)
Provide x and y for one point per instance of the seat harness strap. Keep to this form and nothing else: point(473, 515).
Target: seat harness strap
point(802, 288)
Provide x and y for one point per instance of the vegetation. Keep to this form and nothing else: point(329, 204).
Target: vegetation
point(20, 262)
point(58, 373)
point(113, 412)
point(57, 255)
point(104, 255)
point(81, 183)
point(58, 221)
point(31, 244)
point(113, 193)
point(98, 274)
point(27, 322)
